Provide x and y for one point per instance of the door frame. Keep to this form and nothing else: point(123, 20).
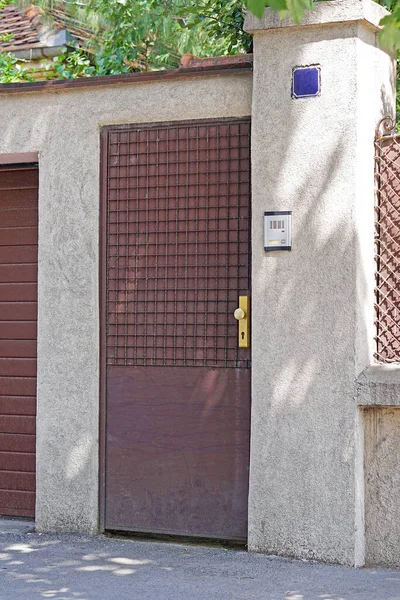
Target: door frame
point(104, 132)
point(102, 304)
point(21, 158)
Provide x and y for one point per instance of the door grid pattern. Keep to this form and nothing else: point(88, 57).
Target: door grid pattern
point(178, 243)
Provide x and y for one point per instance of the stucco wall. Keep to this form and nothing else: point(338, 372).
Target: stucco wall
point(382, 486)
point(312, 329)
point(313, 306)
point(64, 127)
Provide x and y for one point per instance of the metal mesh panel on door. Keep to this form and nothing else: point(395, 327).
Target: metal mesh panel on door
point(388, 246)
point(178, 242)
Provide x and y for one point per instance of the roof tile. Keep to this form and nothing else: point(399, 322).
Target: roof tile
point(16, 22)
point(28, 26)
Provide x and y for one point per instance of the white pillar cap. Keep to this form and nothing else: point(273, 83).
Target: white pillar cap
point(326, 12)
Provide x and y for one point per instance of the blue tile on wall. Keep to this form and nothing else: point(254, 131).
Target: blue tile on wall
point(306, 82)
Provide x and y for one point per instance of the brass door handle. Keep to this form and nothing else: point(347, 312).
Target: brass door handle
point(239, 314)
point(242, 314)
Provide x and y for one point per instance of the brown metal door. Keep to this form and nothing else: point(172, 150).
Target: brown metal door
point(177, 387)
point(18, 316)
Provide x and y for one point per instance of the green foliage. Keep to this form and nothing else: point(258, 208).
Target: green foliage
point(73, 65)
point(294, 8)
point(4, 3)
point(6, 37)
point(390, 34)
point(221, 19)
point(11, 70)
point(141, 35)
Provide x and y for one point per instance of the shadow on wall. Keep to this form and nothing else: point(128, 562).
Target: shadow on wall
point(309, 392)
point(307, 385)
point(312, 335)
point(69, 295)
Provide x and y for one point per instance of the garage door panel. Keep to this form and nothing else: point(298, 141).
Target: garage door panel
point(13, 199)
point(14, 480)
point(18, 236)
point(18, 330)
point(17, 443)
point(19, 424)
point(18, 348)
point(18, 386)
point(18, 218)
point(11, 178)
point(18, 338)
point(17, 292)
point(18, 311)
point(18, 273)
point(23, 501)
point(17, 367)
point(17, 461)
point(18, 254)
point(16, 512)
point(18, 405)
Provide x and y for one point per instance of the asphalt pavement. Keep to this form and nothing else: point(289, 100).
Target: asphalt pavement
point(71, 567)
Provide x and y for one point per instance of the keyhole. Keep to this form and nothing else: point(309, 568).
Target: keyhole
point(243, 334)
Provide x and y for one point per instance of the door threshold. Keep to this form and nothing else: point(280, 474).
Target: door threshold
point(178, 539)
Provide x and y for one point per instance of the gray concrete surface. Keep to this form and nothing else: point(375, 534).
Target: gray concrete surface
point(379, 385)
point(71, 567)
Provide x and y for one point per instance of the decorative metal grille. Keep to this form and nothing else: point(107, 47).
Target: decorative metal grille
point(387, 243)
point(178, 242)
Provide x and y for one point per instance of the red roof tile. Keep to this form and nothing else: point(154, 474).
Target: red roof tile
point(29, 26)
point(16, 22)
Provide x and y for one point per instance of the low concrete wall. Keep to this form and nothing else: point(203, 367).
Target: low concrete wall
point(382, 486)
point(64, 127)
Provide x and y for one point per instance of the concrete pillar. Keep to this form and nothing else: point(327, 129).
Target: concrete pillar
point(313, 305)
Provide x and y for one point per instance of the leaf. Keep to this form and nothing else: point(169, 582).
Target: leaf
point(297, 8)
point(389, 37)
point(278, 5)
point(257, 7)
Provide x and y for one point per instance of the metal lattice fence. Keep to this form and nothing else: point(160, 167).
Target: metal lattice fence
point(387, 243)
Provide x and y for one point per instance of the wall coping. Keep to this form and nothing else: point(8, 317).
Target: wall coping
point(214, 70)
point(379, 385)
point(326, 12)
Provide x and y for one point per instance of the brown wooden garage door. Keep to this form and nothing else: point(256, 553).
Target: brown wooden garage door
point(177, 231)
point(18, 317)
